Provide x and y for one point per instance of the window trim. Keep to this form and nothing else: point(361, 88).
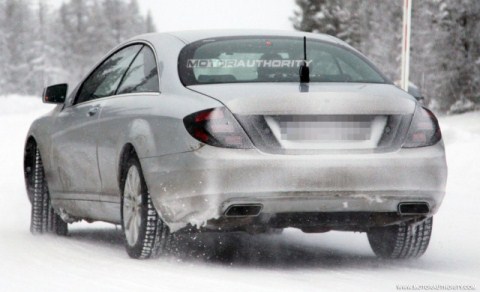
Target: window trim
point(188, 80)
point(128, 69)
point(72, 102)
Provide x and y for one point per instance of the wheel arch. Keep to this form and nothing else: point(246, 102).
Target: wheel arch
point(140, 140)
point(32, 143)
point(128, 150)
point(28, 164)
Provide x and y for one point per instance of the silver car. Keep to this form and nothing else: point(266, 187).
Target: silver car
point(251, 131)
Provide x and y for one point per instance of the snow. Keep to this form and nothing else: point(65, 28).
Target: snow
point(93, 257)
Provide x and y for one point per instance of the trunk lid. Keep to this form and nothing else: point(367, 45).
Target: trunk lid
point(289, 118)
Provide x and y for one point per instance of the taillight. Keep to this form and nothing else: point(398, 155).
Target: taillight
point(217, 127)
point(424, 129)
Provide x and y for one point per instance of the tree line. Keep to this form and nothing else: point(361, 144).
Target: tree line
point(41, 44)
point(445, 41)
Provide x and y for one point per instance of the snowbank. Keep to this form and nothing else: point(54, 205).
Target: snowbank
point(93, 257)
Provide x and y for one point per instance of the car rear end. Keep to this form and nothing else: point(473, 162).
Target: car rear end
point(337, 154)
point(264, 167)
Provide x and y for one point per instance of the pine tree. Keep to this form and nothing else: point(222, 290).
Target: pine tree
point(305, 18)
point(19, 53)
point(382, 40)
point(40, 46)
point(3, 49)
point(330, 17)
point(445, 45)
point(453, 68)
point(149, 25)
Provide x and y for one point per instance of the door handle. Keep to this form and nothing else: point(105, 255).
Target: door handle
point(93, 111)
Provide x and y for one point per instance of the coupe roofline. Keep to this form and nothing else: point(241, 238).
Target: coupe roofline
point(190, 36)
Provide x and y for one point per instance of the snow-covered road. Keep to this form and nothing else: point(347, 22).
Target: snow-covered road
point(92, 258)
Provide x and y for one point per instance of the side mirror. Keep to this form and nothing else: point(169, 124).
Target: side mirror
point(55, 93)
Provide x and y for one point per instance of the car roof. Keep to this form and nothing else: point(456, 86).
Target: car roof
point(189, 36)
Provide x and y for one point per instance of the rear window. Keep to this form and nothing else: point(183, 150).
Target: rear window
point(271, 59)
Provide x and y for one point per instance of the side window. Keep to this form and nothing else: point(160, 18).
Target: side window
point(105, 79)
point(142, 76)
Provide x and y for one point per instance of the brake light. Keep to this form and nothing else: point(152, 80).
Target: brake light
point(424, 129)
point(217, 127)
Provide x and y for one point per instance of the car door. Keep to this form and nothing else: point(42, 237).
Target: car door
point(76, 132)
point(136, 94)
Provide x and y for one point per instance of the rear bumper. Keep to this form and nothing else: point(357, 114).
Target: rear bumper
point(197, 186)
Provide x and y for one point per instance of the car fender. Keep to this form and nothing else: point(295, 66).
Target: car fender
point(141, 136)
point(39, 131)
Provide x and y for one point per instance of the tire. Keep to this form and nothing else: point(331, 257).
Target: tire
point(43, 218)
point(401, 241)
point(146, 235)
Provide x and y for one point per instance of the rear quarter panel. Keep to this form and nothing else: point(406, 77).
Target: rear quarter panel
point(152, 123)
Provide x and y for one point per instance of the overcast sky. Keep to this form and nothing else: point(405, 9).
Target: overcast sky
point(170, 15)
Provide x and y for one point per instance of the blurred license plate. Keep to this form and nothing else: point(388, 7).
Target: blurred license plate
point(331, 128)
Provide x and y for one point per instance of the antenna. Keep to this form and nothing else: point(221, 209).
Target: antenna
point(304, 70)
point(305, 49)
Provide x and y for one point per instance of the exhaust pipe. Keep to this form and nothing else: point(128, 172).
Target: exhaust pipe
point(413, 208)
point(244, 210)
